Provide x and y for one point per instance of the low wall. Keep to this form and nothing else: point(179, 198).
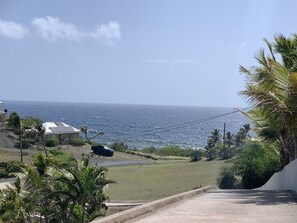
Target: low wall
point(149, 207)
point(283, 180)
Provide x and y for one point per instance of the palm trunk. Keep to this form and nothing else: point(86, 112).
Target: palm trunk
point(83, 213)
point(21, 146)
point(43, 144)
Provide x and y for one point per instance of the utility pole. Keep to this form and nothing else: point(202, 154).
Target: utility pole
point(224, 136)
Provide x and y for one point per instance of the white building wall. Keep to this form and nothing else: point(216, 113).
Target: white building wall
point(283, 180)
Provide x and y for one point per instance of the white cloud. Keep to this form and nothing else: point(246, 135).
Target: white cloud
point(184, 61)
point(52, 29)
point(12, 29)
point(109, 32)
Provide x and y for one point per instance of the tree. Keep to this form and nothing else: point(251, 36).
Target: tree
point(14, 123)
point(210, 150)
point(247, 128)
point(227, 150)
point(229, 139)
point(83, 189)
point(215, 136)
point(13, 204)
point(272, 92)
point(59, 188)
point(84, 129)
point(41, 134)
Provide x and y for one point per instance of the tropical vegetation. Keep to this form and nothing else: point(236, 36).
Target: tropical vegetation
point(57, 188)
point(251, 169)
point(271, 90)
point(226, 146)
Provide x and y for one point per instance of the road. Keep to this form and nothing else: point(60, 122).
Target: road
point(247, 206)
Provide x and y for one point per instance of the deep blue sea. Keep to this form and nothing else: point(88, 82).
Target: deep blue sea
point(137, 125)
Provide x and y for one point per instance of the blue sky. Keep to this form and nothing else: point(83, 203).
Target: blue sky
point(167, 52)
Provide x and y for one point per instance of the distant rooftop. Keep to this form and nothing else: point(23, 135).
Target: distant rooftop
point(54, 128)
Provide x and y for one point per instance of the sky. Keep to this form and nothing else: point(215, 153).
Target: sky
point(169, 52)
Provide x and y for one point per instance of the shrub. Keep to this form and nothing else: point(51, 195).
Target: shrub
point(77, 142)
point(256, 165)
point(197, 155)
point(25, 144)
point(171, 151)
point(51, 143)
point(226, 178)
point(150, 150)
point(119, 146)
point(61, 158)
point(211, 153)
point(8, 169)
point(226, 152)
point(31, 122)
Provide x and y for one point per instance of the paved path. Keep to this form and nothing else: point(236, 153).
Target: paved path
point(229, 206)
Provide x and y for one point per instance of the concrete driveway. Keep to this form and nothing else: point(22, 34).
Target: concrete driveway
point(229, 206)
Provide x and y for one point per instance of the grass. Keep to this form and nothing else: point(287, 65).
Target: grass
point(7, 154)
point(151, 182)
point(14, 154)
point(146, 182)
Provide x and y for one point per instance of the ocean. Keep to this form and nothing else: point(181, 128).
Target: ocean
point(138, 126)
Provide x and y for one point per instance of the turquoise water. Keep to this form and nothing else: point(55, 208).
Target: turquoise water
point(137, 125)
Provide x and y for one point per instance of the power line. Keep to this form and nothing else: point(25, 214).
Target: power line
point(181, 125)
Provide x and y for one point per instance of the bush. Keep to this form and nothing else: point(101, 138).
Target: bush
point(226, 178)
point(171, 151)
point(8, 169)
point(211, 153)
point(256, 165)
point(119, 146)
point(77, 142)
point(197, 155)
point(150, 150)
point(226, 152)
point(31, 122)
point(61, 158)
point(51, 143)
point(25, 144)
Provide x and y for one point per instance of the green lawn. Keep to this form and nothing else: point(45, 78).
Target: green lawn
point(147, 182)
point(151, 182)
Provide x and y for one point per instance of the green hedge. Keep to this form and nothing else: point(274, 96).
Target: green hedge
point(51, 143)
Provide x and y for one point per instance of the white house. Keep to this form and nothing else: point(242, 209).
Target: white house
point(60, 131)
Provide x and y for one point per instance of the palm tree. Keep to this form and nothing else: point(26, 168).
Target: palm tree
point(229, 139)
point(41, 135)
point(83, 189)
point(210, 150)
point(13, 204)
point(238, 141)
point(247, 128)
point(215, 136)
point(272, 91)
point(84, 129)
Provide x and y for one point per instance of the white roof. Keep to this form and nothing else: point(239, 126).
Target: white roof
point(55, 128)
